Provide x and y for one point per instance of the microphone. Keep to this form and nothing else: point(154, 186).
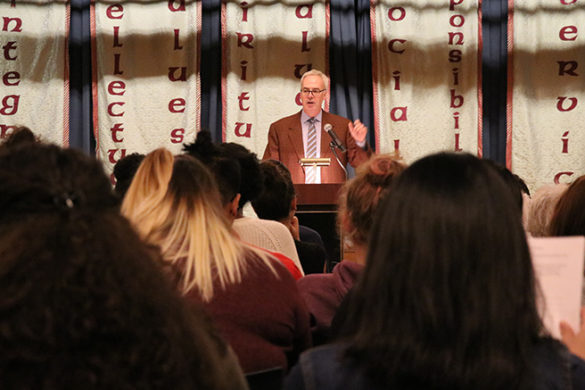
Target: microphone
point(334, 138)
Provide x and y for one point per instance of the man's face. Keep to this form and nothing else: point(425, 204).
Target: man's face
point(312, 101)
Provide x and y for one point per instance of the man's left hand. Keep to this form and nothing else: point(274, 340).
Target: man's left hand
point(358, 131)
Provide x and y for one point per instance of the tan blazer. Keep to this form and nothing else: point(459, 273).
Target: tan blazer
point(285, 143)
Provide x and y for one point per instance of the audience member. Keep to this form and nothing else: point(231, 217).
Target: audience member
point(569, 214)
point(84, 303)
point(174, 203)
point(228, 173)
point(541, 208)
point(278, 202)
point(358, 202)
point(21, 135)
point(447, 299)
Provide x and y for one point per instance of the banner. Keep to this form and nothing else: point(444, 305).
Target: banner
point(426, 58)
point(146, 76)
point(33, 68)
point(267, 47)
point(546, 96)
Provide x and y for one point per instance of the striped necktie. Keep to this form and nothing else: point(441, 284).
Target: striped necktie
point(311, 171)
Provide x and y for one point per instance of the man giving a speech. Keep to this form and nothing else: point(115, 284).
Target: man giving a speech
point(303, 135)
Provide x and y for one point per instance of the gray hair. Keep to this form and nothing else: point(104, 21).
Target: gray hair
point(315, 72)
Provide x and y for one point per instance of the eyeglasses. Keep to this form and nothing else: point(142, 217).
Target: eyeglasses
point(312, 91)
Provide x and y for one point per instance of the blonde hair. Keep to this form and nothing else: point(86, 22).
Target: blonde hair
point(173, 202)
point(541, 209)
point(315, 72)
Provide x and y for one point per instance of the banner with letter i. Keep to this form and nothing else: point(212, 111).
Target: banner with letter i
point(267, 46)
point(545, 91)
point(146, 76)
point(34, 68)
point(426, 57)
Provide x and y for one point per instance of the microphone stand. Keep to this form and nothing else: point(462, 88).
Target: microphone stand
point(334, 151)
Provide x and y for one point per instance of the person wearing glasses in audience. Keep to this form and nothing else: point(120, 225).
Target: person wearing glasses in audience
point(303, 135)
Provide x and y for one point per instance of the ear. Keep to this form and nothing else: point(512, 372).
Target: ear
point(231, 207)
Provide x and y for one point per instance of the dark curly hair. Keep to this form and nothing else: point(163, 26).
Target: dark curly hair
point(83, 302)
point(124, 172)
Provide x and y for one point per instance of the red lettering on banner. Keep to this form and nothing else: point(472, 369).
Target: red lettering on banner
point(177, 42)
point(117, 64)
point(565, 33)
point(456, 100)
point(453, 35)
point(112, 155)
point(114, 130)
point(457, 148)
point(177, 136)
point(455, 55)
point(557, 179)
point(17, 24)
point(117, 37)
point(182, 76)
point(299, 68)
point(396, 78)
point(565, 141)
point(244, 11)
point(308, 14)
point(456, 119)
point(567, 67)
point(181, 6)
point(568, 2)
point(111, 109)
point(572, 105)
point(396, 145)
point(117, 88)
point(455, 76)
point(453, 3)
point(243, 67)
point(305, 45)
point(457, 20)
point(115, 11)
point(6, 49)
point(245, 40)
point(11, 76)
point(243, 96)
point(401, 14)
point(398, 114)
point(239, 132)
point(4, 130)
point(391, 45)
point(177, 105)
point(10, 105)
point(298, 99)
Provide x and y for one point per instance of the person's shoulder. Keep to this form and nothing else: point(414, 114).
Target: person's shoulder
point(286, 120)
point(329, 117)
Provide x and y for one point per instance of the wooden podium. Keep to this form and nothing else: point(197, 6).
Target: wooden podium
point(317, 209)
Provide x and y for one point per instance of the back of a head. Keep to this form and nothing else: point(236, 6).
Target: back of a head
point(83, 302)
point(20, 136)
point(174, 203)
point(361, 195)
point(251, 176)
point(541, 208)
point(448, 270)
point(275, 200)
point(569, 214)
point(226, 171)
point(124, 172)
point(513, 182)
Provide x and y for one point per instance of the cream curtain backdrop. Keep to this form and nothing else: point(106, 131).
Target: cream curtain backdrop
point(34, 68)
point(267, 46)
point(546, 96)
point(146, 91)
point(427, 76)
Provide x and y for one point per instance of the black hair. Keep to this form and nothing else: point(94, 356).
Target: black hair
point(84, 303)
point(252, 181)
point(275, 201)
point(227, 171)
point(447, 298)
point(124, 172)
point(515, 184)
